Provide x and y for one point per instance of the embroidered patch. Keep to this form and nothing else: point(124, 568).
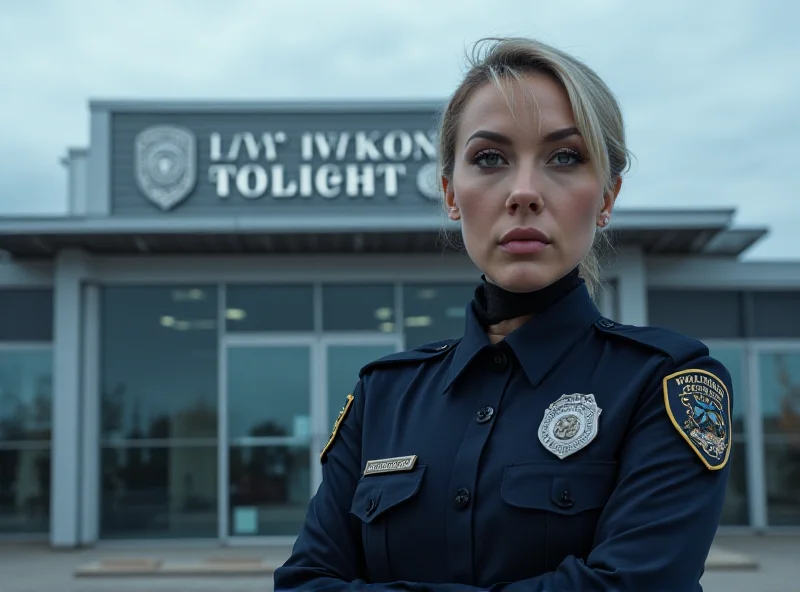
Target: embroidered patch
point(336, 425)
point(699, 405)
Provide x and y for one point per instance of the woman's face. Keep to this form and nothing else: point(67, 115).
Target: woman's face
point(527, 197)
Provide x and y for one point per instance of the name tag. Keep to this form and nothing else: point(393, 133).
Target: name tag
point(390, 465)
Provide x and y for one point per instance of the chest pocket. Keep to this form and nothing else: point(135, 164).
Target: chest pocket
point(569, 496)
point(377, 502)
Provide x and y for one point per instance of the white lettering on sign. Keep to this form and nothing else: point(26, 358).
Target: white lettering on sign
point(330, 164)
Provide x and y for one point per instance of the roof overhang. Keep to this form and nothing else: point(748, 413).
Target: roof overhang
point(664, 232)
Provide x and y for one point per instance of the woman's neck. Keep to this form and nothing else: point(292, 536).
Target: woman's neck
point(501, 312)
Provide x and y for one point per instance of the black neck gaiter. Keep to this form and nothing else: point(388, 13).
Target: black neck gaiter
point(492, 304)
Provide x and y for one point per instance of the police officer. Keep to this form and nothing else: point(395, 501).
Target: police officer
point(548, 448)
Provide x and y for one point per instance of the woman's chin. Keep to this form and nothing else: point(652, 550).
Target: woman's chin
point(523, 276)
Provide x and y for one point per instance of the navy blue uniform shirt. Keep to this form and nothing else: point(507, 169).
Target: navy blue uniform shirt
point(576, 454)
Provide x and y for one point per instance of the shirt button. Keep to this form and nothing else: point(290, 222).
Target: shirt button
point(605, 323)
point(500, 360)
point(484, 414)
point(565, 501)
point(462, 498)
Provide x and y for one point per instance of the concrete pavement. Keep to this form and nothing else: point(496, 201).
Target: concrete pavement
point(736, 564)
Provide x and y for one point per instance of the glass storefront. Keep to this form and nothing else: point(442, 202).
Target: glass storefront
point(757, 336)
point(26, 395)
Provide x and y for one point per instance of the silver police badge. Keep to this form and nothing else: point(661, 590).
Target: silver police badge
point(165, 164)
point(569, 424)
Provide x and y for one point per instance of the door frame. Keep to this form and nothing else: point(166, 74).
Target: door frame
point(318, 407)
point(323, 424)
point(264, 340)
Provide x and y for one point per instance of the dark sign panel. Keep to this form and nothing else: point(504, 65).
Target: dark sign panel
point(211, 163)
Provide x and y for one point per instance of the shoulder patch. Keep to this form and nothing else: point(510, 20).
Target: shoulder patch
point(336, 425)
point(428, 351)
point(678, 347)
point(699, 406)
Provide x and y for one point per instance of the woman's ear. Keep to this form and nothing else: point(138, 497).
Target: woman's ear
point(450, 199)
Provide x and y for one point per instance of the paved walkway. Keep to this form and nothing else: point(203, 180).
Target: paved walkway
point(35, 568)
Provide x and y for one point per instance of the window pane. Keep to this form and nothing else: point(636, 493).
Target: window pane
point(26, 315)
point(780, 408)
point(782, 458)
point(269, 391)
point(776, 314)
point(270, 487)
point(163, 492)
point(26, 394)
point(358, 308)
point(159, 362)
point(700, 314)
point(25, 491)
point(735, 511)
point(252, 308)
point(344, 362)
point(434, 311)
point(780, 393)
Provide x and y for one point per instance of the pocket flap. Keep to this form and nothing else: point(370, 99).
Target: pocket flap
point(375, 494)
point(565, 489)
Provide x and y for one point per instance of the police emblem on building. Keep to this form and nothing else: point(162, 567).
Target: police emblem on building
point(569, 424)
point(698, 403)
point(165, 164)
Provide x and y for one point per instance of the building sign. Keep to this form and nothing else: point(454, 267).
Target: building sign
point(195, 163)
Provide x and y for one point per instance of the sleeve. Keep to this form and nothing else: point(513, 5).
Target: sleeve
point(327, 555)
point(656, 531)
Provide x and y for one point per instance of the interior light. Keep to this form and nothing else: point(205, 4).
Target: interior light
point(426, 294)
point(386, 327)
point(181, 325)
point(383, 314)
point(167, 321)
point(413, 322)
point(235, 314)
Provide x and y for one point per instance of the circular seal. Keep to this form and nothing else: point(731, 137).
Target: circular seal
point(428, 182)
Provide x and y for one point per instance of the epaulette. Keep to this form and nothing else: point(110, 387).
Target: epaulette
point(675, 345)
point(419, 354)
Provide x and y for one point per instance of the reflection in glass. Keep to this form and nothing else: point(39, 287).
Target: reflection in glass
point(434, 311)
point(26, 315)
point(269, 391)
point(735, 511)
point(151, 492)
point(344, 362)
point(704, 314)
point(358, 308)
point(274, 307)
point(270, 487)
point(159, 362)
point(25, 490)
point(771, 314)
point(26, 394)
point(780, 408)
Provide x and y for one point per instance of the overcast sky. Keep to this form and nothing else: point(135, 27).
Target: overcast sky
point(710, 89)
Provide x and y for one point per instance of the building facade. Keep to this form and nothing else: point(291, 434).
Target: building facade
point(173, 351)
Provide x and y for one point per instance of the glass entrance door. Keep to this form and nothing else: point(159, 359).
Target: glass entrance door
point(267, 417)
point(343, 356)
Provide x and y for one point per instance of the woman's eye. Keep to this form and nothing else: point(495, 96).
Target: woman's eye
point(566, 158)
point(488, 159)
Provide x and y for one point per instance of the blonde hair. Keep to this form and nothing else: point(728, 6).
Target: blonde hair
point(595, 109)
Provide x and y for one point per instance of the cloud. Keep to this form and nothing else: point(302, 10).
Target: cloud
point(707, 88)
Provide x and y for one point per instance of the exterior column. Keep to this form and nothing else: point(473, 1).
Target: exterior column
point(631, 273)
point(65, 507)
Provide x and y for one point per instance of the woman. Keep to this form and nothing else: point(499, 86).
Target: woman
point(548, 448)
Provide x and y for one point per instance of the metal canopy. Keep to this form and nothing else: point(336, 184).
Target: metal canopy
point(662, 232)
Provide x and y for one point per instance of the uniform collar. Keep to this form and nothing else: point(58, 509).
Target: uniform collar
point(539, 343)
